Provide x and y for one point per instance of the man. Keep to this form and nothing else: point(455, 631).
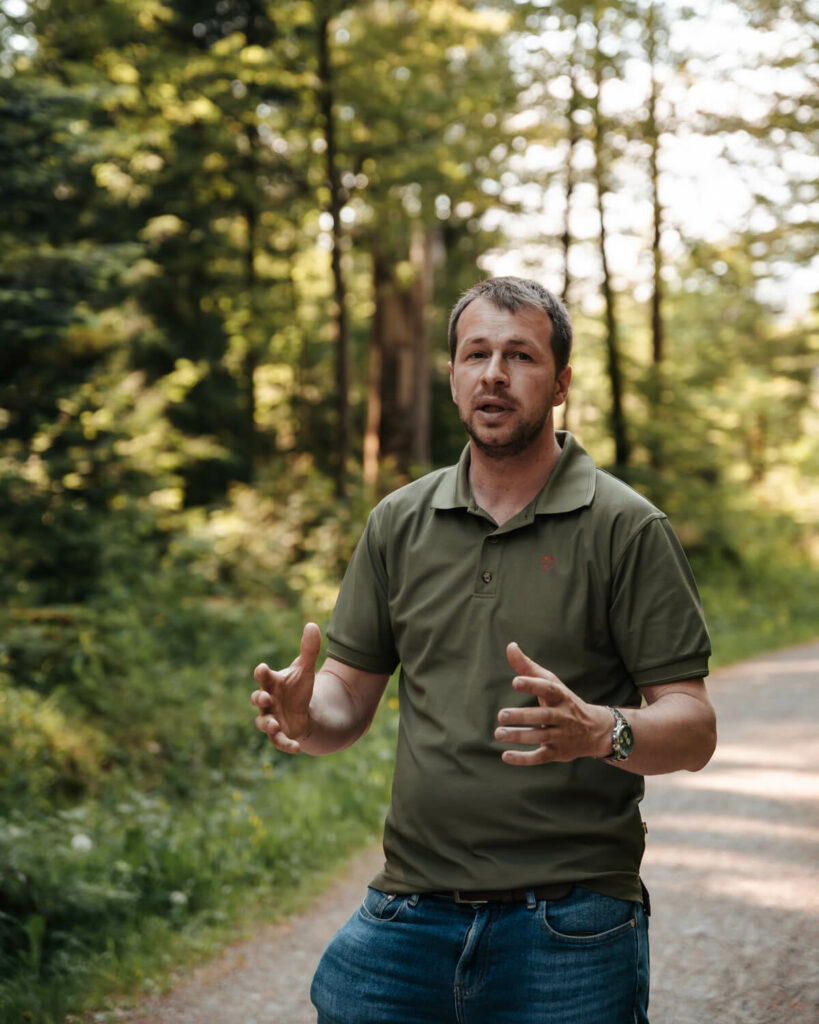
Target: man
point(552, 652)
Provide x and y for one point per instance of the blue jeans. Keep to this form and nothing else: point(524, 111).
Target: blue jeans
point(428, 960)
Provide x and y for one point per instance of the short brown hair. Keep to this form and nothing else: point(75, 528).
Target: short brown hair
point(514, 293)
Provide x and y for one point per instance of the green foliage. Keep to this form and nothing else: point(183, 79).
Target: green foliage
point(151, 690)
point(91, 894)
point(286, 546)
point(45, 750)
point(761, 604)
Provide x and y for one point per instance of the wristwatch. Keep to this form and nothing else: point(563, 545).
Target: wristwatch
point(622, 738)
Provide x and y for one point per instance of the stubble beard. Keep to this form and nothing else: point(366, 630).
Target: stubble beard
point(522, 437)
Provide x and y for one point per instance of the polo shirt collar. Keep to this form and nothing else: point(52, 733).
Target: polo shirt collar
point(570, 487)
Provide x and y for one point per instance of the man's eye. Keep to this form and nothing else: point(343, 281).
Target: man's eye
point(521, 355)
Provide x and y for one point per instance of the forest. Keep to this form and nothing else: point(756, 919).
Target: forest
point(231, 233)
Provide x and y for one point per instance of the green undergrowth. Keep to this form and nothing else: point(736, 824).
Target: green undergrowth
point(107, 896)
point(755, 607)
point(142, 817)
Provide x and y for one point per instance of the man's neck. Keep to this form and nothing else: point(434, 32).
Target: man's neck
point(502, 487)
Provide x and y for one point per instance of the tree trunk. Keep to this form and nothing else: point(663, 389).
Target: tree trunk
point(657, 333)
point(574, 138)
point(249, 455)
point(655, 443)
point(421, 258)
point(257, 26)
point(372, 431)
point(325, 95)
point(622, 447)
point(405, 397)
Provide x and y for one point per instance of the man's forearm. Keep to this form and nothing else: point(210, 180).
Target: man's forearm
point(675, 731)
point(341, 709)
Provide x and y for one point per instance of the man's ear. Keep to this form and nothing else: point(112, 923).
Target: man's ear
point(564, 379)
point(452, 382)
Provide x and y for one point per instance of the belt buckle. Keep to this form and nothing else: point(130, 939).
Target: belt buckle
point(459, 899)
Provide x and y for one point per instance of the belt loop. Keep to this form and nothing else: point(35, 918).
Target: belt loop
point(531, 901)
point(413, 900)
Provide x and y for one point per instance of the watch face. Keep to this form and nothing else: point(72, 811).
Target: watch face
point(623, 739)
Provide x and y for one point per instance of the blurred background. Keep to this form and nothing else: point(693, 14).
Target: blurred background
point(230, 237)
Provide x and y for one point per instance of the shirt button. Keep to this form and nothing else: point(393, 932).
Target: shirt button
point(487, 577)
point(493, 540)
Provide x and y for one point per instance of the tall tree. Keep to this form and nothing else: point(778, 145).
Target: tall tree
point(573, 138)
point(652, 137)
point(619, 430)
point(372, 429)
point(326, 94)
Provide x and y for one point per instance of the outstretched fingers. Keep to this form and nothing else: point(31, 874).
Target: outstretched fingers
point(269, 725)
point(531, 736)
point(549, 690)
point(309, 648)
point(264, 676)
point(261, 699)
point(283, 742)
point(522, 664)
point(524, 758)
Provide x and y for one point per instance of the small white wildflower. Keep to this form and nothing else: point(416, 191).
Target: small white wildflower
point(179, 899)
point(82, 843)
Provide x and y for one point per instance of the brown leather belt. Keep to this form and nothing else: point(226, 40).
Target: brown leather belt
point(556, 891)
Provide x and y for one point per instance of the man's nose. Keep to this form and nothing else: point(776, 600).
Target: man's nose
point(494, 370)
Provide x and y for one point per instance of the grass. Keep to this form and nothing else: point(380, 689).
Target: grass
point(109, 896)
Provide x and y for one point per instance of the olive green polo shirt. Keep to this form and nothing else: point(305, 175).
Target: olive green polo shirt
point(590, 580)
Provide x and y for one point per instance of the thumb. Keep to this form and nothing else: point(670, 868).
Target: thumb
point(310, 647)
point(522, 664)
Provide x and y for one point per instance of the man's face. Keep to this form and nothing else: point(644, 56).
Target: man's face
point(503, 377)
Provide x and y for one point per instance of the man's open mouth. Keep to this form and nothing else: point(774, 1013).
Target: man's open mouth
point(494, 406)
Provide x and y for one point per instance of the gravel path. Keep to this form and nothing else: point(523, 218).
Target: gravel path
point(731, 866)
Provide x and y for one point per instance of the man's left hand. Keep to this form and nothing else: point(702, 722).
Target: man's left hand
point(561, 728)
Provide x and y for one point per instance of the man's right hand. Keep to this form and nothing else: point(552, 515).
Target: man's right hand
point(284, 697)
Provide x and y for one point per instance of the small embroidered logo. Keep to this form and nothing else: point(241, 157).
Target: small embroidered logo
point(547, 563)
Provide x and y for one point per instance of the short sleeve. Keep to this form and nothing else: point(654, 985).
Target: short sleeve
point(360, 631)
point(655, 614)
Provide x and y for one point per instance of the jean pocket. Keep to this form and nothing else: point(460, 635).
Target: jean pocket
point(587, 917)
point(381, 906)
